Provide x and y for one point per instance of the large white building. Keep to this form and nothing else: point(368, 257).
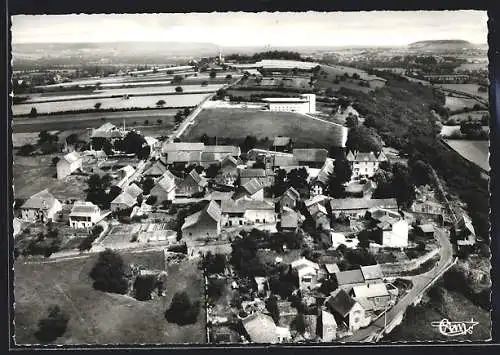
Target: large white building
point(305, 103)
point(84, 214)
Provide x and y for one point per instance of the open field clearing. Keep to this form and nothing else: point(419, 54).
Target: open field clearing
point(65, 122)
point(103, 93)
point(458, 103)
point(467, 88)
point(102, 318)
point(472, 66)
point(184, 100)
point(234, 123)
point(33, 174)
point(476, 152)
point(417, 323)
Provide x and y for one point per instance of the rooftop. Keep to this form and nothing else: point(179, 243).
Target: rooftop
point(212, 210)
point(350, 277)
point(340, 302)
point(370, 291)
point(240, 206)
point(281, 141)
point(41, 200)
point(285, 99)
point(260, 328)
point(372, 272)
point(72, 157)
point(310, 155)
point(360, 203)
point(84, 208)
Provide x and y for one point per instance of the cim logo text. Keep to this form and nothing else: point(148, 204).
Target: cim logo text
point(452, 329)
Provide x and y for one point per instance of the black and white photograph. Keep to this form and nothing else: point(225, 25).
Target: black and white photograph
point(246, 178)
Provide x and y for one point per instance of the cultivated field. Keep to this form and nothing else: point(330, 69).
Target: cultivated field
point(102, 318)
point(476, 152)
point(458, 103)
point(184, 100)
point(467, 88)
point(33, 174)
point(86, 120)
point(237, 124)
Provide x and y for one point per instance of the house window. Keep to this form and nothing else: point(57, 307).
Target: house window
point(307, 279)
point(264, 220)
point(190, 234)
point(257, 220)
point(241, 222)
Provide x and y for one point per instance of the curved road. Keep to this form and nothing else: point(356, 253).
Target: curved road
point(420, 284)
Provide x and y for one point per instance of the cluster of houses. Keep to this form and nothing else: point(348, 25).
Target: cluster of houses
point(361, 296)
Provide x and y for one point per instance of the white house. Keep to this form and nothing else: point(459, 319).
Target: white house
point(247, 212)
point(347, 311)
point(68, 164)
point(252, 190)
point(365, 164)
point(392, 228)
point(307, 273)
point(305, 103)
point(84, 214)
point(41, 207)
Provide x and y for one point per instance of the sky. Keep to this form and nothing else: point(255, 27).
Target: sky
point(377, 28)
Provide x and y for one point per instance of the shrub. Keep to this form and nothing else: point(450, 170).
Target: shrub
point(52, 327)
point(182, 311)
point(144, 286)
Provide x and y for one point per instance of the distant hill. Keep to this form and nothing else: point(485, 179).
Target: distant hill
point(445, 44)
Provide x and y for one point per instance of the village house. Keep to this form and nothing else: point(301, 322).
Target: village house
point(327, 326)
point(260, 328)
point(182, 154)
point(373, 297)
point(84, 215)
point(364, 164)
point(41, 207)
point(69, 164)
point(289, 199)
point(124, 174)
point(252, 190)
point(219, 196)
point(282, 144)
point(247, 212)
point(372, 274)
point(264, 176)
point(202, 226)
point(262, 286)
point(346, 280)
point(306, 272)
point(357, 207)
point(328, 271)
point(463, 233)
point(425, 230)
point(319, 184)
point(164, 188)
point(228, 172)
point(289, 220)
point(108, 131)
point(215, 154)
point(155, 171)
point(133, 190)
point(391, 229)
point(311, 157)
point(123, 201)
point(192, 185)
point(347, 311)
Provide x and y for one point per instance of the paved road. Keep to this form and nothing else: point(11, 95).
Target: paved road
point(420, 284)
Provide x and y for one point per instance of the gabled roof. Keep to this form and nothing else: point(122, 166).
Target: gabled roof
point(315, 200)
point(197, 178)
point(281, 141)
point(83, 208)
point(365, 157)
point(182, 146)
point(361, 203)
point(285, 160)
point(166, 182)
point(372, 272)
point(252, 186)
point(370, 291)
point(328, 319)
point(426, 228)
point(124, 198)
point(133, 190)
point(220, 195)
point(289, 219)
point(350, 277)
point(107, 127)
point(128, 170)
point(240, 206)
point(340, 302)
point(311, 155)
point(156, 169)
point(192, 156)
point(72, 157)
point(332, 268)
point(42, 200)
point(260, 328)
point(223, 149)
point(466, 222)
point(229, 160)
point(292, 193)
point(326, 171)
point(303, 262)
point(251, 173)
point(212, 210)
point(316, 209)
